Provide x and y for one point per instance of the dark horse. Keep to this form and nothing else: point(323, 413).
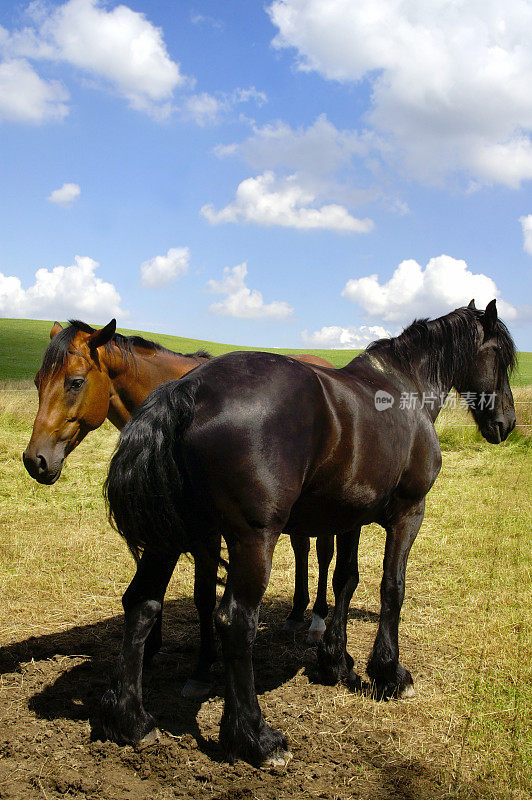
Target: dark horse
point(252, 444)
point(89, 375)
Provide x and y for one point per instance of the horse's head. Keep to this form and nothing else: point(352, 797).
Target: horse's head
point(73, 391)
point(485, 383)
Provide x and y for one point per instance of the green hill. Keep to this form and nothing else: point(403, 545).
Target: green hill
point(23, 341)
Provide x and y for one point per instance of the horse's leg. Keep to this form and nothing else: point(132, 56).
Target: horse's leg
point(301, 547)
point(389, 677)
point(154, 641)
point(206, 572)
point(325, 552)
point(333, 658)
point(243, 732)
point(124, 719)
point(155, 637)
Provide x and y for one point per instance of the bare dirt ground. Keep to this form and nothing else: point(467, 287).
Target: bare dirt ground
point(341, 740)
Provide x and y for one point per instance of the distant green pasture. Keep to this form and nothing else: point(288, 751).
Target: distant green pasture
point(23, 341)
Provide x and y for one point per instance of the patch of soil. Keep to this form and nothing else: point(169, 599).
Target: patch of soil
point(49, 692)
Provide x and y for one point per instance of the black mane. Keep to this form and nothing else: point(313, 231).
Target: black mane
point(57, 351)
point(447, 344)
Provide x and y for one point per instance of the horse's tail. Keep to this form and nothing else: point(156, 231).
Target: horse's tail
point(144, 487)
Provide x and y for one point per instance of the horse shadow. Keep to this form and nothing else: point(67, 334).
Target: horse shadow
point(76, 691)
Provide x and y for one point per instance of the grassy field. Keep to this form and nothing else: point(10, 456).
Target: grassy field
point(23, 341)
point(465, 636)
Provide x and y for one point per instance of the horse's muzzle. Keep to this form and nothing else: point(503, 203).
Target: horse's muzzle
point(40, 470)
point(496, 431)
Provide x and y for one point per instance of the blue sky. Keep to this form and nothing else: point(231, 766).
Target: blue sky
point(296, 173)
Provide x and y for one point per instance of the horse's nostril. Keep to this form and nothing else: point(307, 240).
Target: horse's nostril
point(42, 463)
point(31, 464)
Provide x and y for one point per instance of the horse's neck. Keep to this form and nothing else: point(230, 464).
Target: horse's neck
point(418, 387)
point(433, 391)
point(132, 379)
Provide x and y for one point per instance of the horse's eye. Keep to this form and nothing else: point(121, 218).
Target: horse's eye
point(76, 383)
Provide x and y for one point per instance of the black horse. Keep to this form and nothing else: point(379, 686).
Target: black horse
point(252, 444)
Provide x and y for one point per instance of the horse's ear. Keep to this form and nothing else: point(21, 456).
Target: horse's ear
point(101, 337)
point(489, 320)
point(56, 327)
point(472, 305)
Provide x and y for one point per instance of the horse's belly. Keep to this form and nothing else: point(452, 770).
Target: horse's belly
point(316, 513)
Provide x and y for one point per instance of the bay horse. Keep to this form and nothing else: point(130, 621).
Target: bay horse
point(253, 444)
point(89, 375)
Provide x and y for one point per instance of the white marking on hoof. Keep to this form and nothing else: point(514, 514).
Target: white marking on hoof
point(150, 739)
point(316, 630)
point(293, 625)
point(407, 692)
point(278, 759)
point(193, 689)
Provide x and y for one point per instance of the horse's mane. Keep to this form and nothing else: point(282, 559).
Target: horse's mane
point(56, 353)
point(447, 344)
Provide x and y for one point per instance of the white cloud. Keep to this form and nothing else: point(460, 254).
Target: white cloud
point(119, 46)
point(207, 109)
point(247, 95)
point(162, 269)
point(66, 195)
point(242, 302)
point(350, 338)
point(326, 160)
point(508, 163)
point(450, 82)
point(61, 293)
point(526, 225)
point(445, 283)
point(205, 19)
point(204, 108)
point(265, 200)
point(320, 148)
point(25, 97)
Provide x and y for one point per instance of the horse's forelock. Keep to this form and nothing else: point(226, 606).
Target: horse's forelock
point(56, 353)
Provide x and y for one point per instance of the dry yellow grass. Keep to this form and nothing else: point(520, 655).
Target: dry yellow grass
point(465, 632)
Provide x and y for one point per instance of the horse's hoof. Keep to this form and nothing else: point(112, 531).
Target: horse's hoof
point(195, 690)
point(316, 630)
point(278, 759)
point(293, 625)
point(353, 681)
point(406, 692)
point(149, 740)
point(314, 636)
